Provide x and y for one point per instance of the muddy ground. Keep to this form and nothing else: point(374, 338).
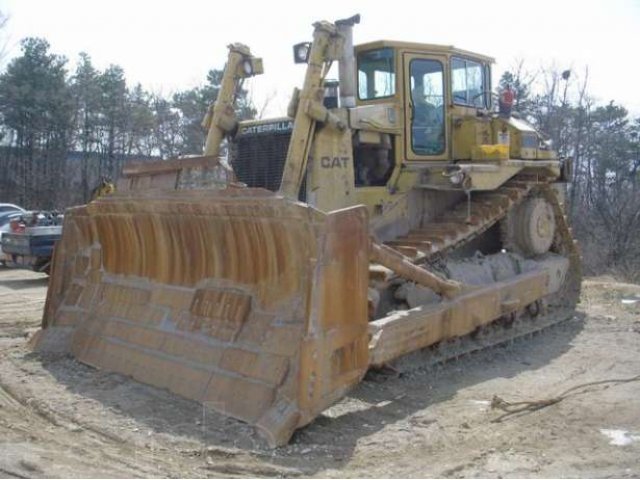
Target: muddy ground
point(59, 418)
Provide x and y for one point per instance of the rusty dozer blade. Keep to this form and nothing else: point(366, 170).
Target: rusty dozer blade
point(251, 303)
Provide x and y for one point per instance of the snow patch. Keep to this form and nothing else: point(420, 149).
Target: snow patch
point(619, 438)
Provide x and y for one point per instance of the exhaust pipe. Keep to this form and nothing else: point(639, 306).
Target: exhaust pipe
point(347, 64)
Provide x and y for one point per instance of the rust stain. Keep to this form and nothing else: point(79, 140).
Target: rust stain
point(238, 298)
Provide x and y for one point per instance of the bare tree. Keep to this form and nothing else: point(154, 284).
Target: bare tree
point(266, 103)
point(4, 42)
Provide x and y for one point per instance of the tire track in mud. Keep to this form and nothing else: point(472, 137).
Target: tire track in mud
point(28, 418)
point(11, 474)
point(119, 453)
point(26, 415)
point(93, 445)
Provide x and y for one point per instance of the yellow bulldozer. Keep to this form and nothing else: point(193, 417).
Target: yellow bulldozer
point(391, 212)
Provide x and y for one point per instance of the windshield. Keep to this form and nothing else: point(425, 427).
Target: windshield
point(376, 74)
point(468, 83)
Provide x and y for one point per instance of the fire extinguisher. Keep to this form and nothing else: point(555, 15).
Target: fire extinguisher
point(507, 97)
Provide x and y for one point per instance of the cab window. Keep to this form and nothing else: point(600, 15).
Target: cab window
point(427, 107)
point(468, 83)
point(376, 74)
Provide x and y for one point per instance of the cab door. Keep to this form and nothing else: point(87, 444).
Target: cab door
point(426, 126)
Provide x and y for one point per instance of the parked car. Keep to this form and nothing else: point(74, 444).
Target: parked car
point(8, 212)
point(30, 240)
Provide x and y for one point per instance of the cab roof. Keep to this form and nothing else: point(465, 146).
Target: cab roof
point(423, 47)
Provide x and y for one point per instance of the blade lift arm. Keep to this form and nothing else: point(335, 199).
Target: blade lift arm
point(220, 119)
point(327, 46)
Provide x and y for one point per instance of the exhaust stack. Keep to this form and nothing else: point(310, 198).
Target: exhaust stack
point(347, 65)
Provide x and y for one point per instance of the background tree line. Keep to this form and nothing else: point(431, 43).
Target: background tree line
point(62, 130)
point(603, 142)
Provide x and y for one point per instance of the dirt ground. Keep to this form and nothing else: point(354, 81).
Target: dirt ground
point(59, 418)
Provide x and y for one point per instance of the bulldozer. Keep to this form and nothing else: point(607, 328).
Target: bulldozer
point(392, 213)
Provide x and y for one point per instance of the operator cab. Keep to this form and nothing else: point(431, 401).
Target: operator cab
point(433, 88)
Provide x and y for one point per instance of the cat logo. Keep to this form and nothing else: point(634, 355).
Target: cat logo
point(334, 162)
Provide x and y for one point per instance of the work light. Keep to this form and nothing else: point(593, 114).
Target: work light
point(301, 52)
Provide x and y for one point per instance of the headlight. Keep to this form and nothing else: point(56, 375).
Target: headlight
point(301, 52)
point(247, 67)
point(457, 178)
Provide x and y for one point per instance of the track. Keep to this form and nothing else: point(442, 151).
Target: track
point(500, 332)
point(465, 223)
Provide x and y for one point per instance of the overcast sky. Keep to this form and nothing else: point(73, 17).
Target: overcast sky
point(171, 45)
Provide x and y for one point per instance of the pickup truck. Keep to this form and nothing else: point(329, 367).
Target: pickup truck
point(30, 242)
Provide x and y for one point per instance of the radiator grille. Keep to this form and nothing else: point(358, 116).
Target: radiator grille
point(258, 160)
